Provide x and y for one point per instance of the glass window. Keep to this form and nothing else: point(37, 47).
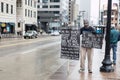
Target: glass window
point(2, 7)
point(38, 6)
point(28, 13)
point(54, 6)
point(54, 0)
point(31, 3)
point(45, 6)
point(34, 14)
point(35, 4)
point(18, 25)
point(38, 1)
point(44, 1)
point(19, 3)
point(7, 8)
point(25, 12)
point(11, 9)
point(31, 13)
point(26, 2)
point(56, 12)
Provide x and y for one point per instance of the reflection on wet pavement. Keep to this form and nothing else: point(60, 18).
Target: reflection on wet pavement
point(36, 65)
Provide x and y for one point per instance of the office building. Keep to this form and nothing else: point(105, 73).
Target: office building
point(52, 14)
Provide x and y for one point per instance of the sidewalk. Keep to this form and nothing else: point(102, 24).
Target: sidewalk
point(7, 37)
point(62, 74)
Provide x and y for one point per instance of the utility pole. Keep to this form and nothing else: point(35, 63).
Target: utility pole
point(99, 12)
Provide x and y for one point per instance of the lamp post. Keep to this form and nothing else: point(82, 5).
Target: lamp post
point(81, 15)
point(99, 12)
point(107, 64)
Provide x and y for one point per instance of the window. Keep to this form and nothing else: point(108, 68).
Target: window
point(34, 4)
point(25, 12)
point(38, 17)
point(26, 2)
point(18, 25)
point(56, 12)
point(112, 13)
point(28, 13)
point(38, 1)
point(45, 6)
point(31, 3)
point(31, 13)
point(38, 6)
point(19, 3)
point(11, 9)
point(2, 7)
point(54, 0)
point(34, 14)
point(44, 1)
point(105, 12)
point(112, 19)
point(55, 6)
point(7, 8)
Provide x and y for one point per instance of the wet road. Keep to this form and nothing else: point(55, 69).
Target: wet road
point(34, 59)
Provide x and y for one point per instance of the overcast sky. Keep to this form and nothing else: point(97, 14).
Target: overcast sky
point(95, 8)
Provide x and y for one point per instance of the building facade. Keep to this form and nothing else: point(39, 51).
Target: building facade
point(7, 16)
point(52, 14)
point(26, 12)
point(119, 14)
point(73, 11)
point(114, 14)
point(18, 16)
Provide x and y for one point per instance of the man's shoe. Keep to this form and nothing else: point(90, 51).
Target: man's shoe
point(89, 71)
point(114, 63)
point(81, 70)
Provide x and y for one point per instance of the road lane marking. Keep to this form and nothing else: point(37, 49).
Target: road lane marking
point(23, 43)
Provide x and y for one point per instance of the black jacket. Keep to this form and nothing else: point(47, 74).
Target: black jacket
point(87, 29)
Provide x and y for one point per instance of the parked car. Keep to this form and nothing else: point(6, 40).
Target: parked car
point(31, 34)
point(55, 33)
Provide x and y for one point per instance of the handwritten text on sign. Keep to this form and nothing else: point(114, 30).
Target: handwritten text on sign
point(90, 40)
point(70, 44)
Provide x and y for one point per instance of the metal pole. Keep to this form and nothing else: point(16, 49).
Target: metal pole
point(99, 11)
point(107, 64)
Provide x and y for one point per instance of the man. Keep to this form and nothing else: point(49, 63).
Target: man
point(114, 34)
point(86, 51)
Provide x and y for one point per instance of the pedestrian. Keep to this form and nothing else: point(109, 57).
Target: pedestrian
point(84, 51)
point(41, 31)
point(114, 35)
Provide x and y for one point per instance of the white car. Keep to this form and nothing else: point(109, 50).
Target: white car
point(55, 33)
point(31, 34)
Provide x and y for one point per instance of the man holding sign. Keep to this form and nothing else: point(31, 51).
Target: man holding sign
point(86, 51)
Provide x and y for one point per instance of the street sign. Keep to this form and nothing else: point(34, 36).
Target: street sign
point(70, 44)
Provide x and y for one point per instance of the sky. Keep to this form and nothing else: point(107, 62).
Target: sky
point(95, 8)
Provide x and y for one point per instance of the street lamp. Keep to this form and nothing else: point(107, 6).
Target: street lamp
point(107, 64)
point(99, 12)
point(81, 13)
